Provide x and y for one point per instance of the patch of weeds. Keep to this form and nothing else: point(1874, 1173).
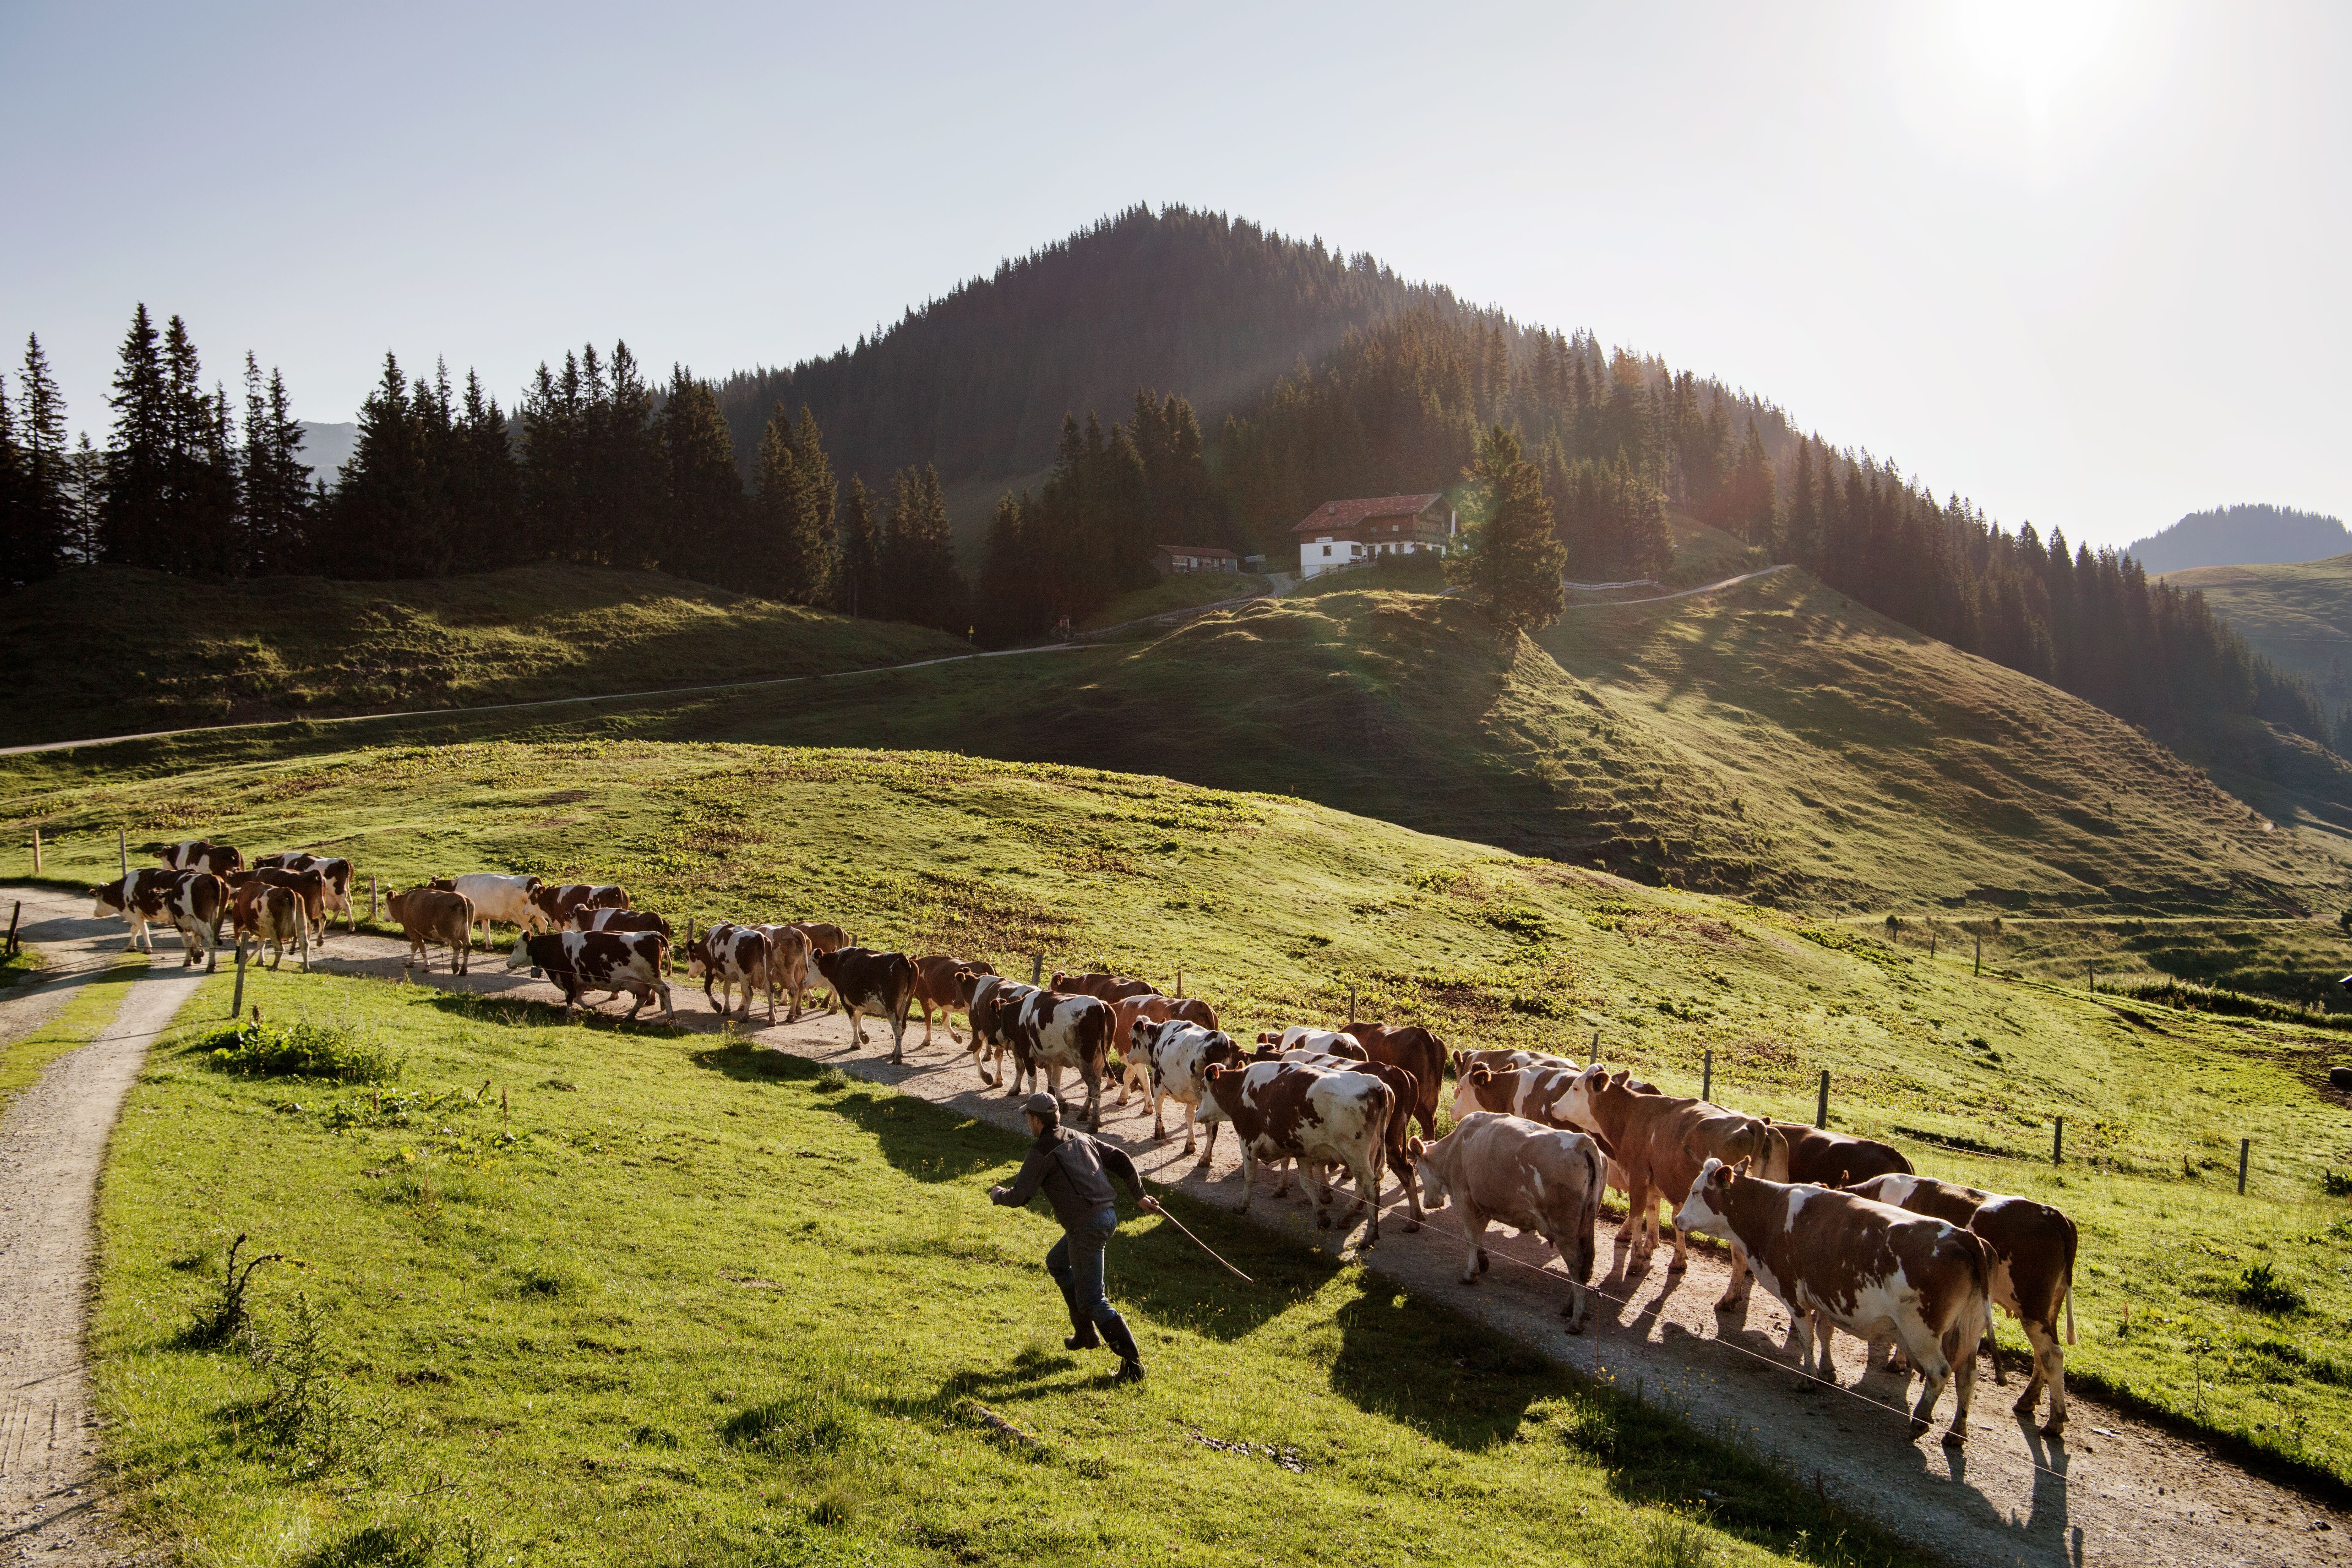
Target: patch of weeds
point(398, 1544)
point(2335, 1183)
point(314, 1423)
point(309, 1047)
point(646, 1436)
point(832, 1080)
point(1668, 1541)
point(545, 1282)
point(222, 1316)
point(809, 1418)
point(2261, 1287)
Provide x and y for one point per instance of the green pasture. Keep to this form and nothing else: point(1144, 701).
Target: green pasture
point(1278, 909)
point(602, 1294)
point(1180, 592)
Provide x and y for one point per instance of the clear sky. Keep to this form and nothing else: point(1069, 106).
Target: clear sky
point(2084, 262)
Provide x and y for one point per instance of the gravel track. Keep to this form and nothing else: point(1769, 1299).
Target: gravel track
point(2118, 1491)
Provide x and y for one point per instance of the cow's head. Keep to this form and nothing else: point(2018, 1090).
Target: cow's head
point(107, 898)
point(442, 884)
point(1708, 1210)
point(1577, 1103)
point(519, 958)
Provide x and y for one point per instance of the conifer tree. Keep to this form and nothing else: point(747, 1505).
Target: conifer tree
point(1751, 509)
point(1006, 607)
point(1512, 564)
point(40, 534)
point(704, 523)
point(858, 587)
point(134, 514)
point(16, 548)
point(921, 582)
point(792, 541)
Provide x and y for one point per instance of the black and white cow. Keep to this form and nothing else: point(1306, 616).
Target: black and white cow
point(882, 983)
point(606, 961)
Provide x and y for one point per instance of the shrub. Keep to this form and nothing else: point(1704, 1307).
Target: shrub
point(2335, 1183)
point(313, 1423)
point(225, 1313)
point(307, 1048)
point(2261, 1287)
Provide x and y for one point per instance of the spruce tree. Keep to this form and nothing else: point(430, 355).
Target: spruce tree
point(796, 552)
point(41, 536)
point(1006, 607)
point(15, 546)
point(921, 582)
point(1512, 564)
point(133, 517)
point(857, 586)
point(705, 521)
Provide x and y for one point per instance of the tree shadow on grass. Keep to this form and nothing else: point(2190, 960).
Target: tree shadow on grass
point(1409, 1362)
point(1167, 1275)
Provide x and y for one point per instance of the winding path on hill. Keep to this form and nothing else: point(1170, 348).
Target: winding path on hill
point(1166, 618)
point(2119, 1491)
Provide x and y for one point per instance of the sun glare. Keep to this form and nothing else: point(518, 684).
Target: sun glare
point(2033, 52)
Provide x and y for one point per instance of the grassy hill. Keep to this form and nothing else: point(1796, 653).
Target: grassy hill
point(1277, 907)
point(103, 650)
point(2299, 616)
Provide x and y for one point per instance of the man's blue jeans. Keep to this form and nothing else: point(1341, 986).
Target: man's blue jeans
point(1076, 1265)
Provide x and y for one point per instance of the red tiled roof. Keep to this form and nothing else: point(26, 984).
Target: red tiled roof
point(1209, 550)
point(1333, 516)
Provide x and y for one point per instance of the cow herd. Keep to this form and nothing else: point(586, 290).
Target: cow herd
point(1839, 1228)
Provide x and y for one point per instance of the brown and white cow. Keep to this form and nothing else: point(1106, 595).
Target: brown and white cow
point(334, 871)
point(728, 956)
point(1108, 987)
point(942, 983)
point(1307, 1038)
point(790, 959)
point(882, 983)
point(1175, 1057)
point(1418, 1052)
point(1837, 1260)
point(507, 900)
point(138, 898)
point(1511, 1061)
point(2033, 1250)
point(586, 919)
point(202, 855)
point(556, 900)
point(1505, 1170)
point(1829, 1159)
point(823, 939)
point(269, 914)
point(992, 1003)
point(429, 916)
point(1398, 1141)
point(310, 886)
point(1316, 1116)
point(1055, 1031)
point(606, 961)
point(1659, 1142)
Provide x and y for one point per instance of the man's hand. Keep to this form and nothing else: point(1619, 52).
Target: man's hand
point(1151, 1205)
point(996, 1194)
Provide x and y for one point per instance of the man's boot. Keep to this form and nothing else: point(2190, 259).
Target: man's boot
point(1122, 1344)
point(1083, 1337)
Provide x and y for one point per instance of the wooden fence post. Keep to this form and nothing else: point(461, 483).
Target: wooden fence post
point(2245, 1147)
point(37, 852)
point(2058, 1144)
point(2090, 978)
point(122, 849)
point(1707, 1079)
point(237, 1003)
point(1351, 1003)
point(11, 949)
point(372, 903)
point(1036, 968)
point(1931, 943)
point(1822, 1107)
point(1980, 968)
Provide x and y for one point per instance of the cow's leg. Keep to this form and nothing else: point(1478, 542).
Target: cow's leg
point(1961, 1348)
point(947, 1016)
point(1158, 1116)
point(925, 1004)
point(1410, 1179)
point(1926, 1354)
point(1367, 1195)
point(1473, 1229)
point(1249, 1173)
point(1742, 1281)
point(1208, 1144)
point(898, 1032)
point(2048, 1372)
point(1639, 1205)
point(1681, 1253)
point(1093, 1069)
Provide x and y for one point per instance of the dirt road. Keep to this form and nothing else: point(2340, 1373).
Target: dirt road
point(2118, 1491)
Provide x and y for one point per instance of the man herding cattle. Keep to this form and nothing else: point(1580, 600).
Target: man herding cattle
point(1075, 1172)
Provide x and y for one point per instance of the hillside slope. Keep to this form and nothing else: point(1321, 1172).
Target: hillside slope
point(110, 650)
point(2299, 614)
point(2241, 535)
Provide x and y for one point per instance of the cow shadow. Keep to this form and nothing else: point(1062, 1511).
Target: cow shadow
point(1174, 1282)
point(1409, 1361)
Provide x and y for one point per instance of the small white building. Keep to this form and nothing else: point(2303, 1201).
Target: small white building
point(1169, 560)
point(1344, 533)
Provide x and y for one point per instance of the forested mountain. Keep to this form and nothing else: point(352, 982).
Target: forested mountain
point(2243, 536)
point(977, 383)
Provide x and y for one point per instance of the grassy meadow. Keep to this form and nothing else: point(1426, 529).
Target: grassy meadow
point(1277, 909)
point(174, 653)
point(1176, 593)
point(605, 1295)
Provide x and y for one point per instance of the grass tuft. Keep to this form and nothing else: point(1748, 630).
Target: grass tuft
point(308, 1047)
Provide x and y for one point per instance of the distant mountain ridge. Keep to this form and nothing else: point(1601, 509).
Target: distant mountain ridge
point(2242, 535)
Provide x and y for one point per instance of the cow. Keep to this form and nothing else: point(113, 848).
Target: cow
point(1510, 1061)
point(1837, 1260)
point(1053, 1031)
point(823, 938)
point(607, 961)
point(310, 886)
point(271, 914)
point(1418, 1052)
point(429, 915)
point(993, 1005)
point(138, 898)
point(2032, 1248)
point(1108, 987)
point(495, 897)
point(1134, 1068)
point(335, 873)
point(1505, 1170)
point(727, 956)
point(939, 982)
point(1829, 1159)
point(1316, 1116)
point(1660, 1140)
point(556, 900)
point(789, 955)
point(1306, 1037)
point(586, 919)
point(1399, 1145)
point(1175, 1057)
point(200, 855)
point(195, 904)
point(864, 981)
